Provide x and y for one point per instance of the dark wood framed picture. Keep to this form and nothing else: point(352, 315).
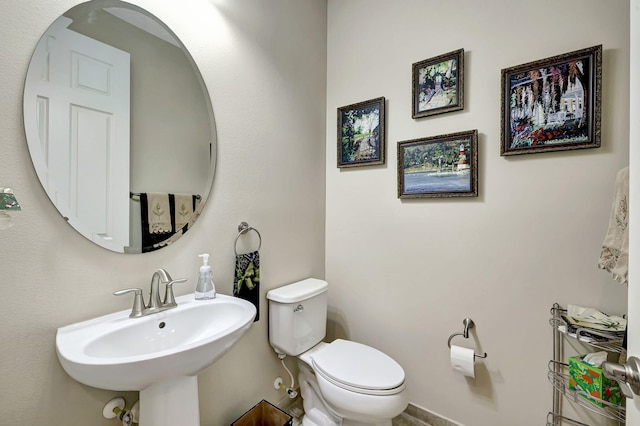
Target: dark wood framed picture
point(361, 133)
point(439, 166)
point(552, 104)
point(438, 84)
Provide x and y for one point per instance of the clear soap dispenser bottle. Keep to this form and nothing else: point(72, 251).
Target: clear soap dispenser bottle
point(205, 289)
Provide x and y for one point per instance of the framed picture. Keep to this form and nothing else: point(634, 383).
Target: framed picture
point(361, 135)
point(439, 166)
point(438, 84)
point(552, 104)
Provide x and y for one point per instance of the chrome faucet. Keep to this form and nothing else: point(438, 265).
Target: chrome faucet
point(154, 295)
point(140, 309)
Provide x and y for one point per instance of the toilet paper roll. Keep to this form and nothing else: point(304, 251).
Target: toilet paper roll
point(462, 360)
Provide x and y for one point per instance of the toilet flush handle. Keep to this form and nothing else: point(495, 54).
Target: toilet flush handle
point(299, 308)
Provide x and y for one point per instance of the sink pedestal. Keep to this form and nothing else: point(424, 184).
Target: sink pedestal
point(171, 402)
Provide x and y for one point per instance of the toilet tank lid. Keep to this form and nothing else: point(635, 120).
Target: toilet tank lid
point(298, 291)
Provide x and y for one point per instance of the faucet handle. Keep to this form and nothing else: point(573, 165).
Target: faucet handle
point(138, 303)
point(169, 299)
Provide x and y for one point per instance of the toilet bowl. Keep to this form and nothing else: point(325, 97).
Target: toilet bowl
point(352, 382)
point(343, 382)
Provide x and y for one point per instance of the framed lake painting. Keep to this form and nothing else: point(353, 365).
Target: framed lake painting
point(438, 84)
point(361, 135)
point(439, 166)
point(552, 104)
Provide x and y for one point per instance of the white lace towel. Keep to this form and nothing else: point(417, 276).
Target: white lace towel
point(184, 209)
point(159, 213)
point(615, 247)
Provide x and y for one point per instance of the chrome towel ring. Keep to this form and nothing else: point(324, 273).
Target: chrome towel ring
point(243, 228)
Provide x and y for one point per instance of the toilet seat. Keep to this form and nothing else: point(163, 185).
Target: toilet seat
point(358, 368)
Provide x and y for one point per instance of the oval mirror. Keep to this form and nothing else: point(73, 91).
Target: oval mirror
point(119, 126)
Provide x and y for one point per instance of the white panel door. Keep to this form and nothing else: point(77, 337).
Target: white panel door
point(81, 111)
point(633, 348)
point(633, 327)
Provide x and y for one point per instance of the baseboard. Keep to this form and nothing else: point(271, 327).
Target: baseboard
point(428, 416)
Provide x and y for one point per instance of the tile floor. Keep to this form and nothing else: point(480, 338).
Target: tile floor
point(405, 419)
point(295, 409)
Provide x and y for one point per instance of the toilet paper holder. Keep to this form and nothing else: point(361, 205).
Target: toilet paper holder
point(468, 324)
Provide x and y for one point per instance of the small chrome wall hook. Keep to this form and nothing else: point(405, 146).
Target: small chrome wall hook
point(468, 324)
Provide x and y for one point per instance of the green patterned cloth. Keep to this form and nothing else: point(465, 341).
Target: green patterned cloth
point(246, 282)
point(8, 200)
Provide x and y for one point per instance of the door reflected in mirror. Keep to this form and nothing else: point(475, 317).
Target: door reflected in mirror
point(119, 126)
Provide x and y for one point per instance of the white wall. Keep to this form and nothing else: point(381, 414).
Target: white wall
point(404, 274)
point(265, 67)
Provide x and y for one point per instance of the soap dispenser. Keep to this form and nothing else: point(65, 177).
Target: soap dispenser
point(205, 289)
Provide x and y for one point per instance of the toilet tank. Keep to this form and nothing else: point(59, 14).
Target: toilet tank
point(297, 316)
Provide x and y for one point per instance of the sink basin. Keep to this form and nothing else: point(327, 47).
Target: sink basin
point(159, 354)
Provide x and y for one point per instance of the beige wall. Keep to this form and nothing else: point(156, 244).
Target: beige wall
point(265, 67)
point(404, 274)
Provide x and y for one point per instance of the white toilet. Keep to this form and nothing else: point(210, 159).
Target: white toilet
point(343, 382)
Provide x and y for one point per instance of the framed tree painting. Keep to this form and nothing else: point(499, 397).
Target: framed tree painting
point(552, 104)
point(361, 133)
point(438, 84)
point(439, 166)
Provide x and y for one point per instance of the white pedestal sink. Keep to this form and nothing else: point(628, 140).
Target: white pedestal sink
point(159, 355)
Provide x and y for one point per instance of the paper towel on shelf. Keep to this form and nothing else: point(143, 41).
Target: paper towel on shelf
point(463, 360)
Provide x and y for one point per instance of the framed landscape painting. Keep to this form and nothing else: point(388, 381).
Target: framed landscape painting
point(552, 104)
point(361, 133)
point(438, 84)
point(439, 166)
